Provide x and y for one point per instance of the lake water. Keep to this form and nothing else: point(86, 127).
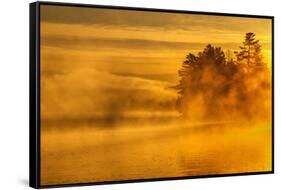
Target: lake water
point(88, 153)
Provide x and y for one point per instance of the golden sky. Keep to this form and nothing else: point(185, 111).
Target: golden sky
point(127, 50)
point(133, 38)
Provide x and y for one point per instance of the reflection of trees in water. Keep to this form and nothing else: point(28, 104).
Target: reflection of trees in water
point(215, 85)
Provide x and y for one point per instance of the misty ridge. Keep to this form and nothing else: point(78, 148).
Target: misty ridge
point(214, 86)
point(225, 86)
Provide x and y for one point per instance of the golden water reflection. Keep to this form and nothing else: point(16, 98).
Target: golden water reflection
point(87, 153)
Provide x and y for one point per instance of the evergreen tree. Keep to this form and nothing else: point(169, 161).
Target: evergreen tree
point(215, 86)
point(193, 74)
point(193, 66)
point(249, 55)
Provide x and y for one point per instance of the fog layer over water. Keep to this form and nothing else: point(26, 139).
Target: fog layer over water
point(140, 151)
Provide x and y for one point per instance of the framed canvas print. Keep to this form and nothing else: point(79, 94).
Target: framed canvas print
point(121, 94)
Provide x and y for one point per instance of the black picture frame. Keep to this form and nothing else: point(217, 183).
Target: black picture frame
point(34, 92)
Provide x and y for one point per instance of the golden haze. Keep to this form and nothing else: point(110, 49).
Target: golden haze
point(107, 112)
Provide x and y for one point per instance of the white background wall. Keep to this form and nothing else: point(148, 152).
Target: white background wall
point(14, 73)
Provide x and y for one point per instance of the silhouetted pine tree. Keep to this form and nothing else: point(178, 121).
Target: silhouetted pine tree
point(249, 56)
point(212, 86)
point(193, 74)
